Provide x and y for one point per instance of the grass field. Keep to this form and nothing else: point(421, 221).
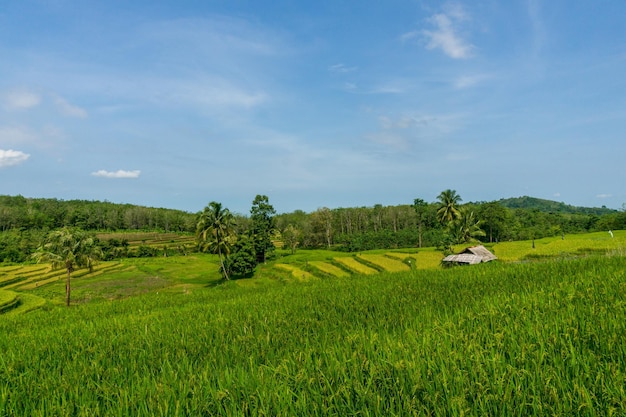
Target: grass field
point(535, 338)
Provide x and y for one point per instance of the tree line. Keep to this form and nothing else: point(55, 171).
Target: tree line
point(439, 223)
point(25, 222)
point(18, 212)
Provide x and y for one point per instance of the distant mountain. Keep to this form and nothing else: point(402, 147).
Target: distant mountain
point(550, 206)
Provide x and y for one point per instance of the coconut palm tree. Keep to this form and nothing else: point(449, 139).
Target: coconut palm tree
point(448, 210)
point(215, 231)
point(69, 249)
point(467, 227)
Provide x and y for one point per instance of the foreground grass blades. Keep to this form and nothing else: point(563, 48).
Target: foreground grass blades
point(495, 339)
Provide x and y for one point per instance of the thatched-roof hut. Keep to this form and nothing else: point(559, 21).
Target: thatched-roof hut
point(470, 256)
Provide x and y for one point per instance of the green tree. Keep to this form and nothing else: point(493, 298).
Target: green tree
point(215, 231)
point(262, 226)
point(291, 237)
point(69, 249)
point(420, 206)
point(322, 226)
point(242, 259)
point(448, 206)
point(494, 217)
point(466, 228)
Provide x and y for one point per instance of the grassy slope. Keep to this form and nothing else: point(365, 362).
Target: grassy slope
point(495, 339)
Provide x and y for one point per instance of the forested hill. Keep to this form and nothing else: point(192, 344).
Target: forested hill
point(17, 212)
point(549, 206)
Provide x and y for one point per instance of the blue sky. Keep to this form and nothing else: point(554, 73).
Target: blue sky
point(314, 104)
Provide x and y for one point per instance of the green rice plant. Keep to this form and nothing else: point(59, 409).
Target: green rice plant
point(15, 274)
point(296, 272)
point(28, 302)
point(384, 262)
point(569, 246)
point(330, 269)
point(356, 266)
point(495, 339)
point(8, 300)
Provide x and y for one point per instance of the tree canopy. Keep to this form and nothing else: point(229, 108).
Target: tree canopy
point(69, 249)
point(215, 231)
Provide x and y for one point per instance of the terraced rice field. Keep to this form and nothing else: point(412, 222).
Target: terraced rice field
point(32, 276)
point(330, 269)
point(384, 262)
point(356, 266)
point(296, 272)
point(519, 339)
point(8, 300)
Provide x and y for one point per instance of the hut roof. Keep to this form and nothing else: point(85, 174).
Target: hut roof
point(472, 255)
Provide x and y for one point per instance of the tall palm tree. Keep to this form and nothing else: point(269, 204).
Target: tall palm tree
point(420, 207)
point(69, 249)
point(467, 227)
point(448, 202)
point(215, 231)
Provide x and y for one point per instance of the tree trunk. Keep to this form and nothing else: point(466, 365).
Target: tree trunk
point(222, 263)
point(419, 234)
point(67, 289)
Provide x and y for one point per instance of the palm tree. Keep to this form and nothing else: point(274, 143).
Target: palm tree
point(215, 231)
point(467, 227)
point(448, 202)
point(420, 207)
point(69, 249)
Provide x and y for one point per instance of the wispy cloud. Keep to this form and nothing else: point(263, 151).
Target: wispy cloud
point(116, 174)
point(13, 135)
point(467, 81)
point(445, 35)
point(604, 196)
point(211, 92)
point(341, 68)
point(404, 122)
point(11, 158)
point(20, 100)
point(68, 109)
point(409, 35)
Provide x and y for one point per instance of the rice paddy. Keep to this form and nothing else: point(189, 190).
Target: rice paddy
point(163, 336)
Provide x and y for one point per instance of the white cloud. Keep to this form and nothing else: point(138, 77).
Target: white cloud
point(68, 109)
point(21, 100)
point(117, 174)
point(16, 135)
point(202, 92)
point(467, 81)
point(604, 196)
point(10, 157)
point(341, 68)
point(445, 34)
point(409, 35)
point(404, 122)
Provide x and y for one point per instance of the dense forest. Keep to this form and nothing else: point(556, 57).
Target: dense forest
point(24, 222)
